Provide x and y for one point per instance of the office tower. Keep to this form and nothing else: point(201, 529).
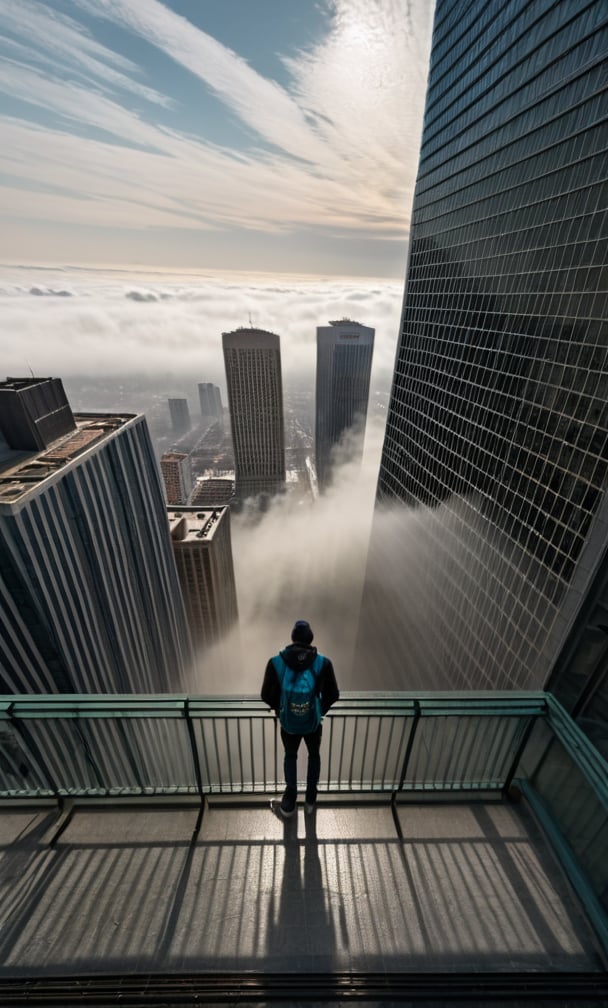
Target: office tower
point(491, 525)
point(344, 363)
point(203, 557)
point(210, 401)
point(255, 397)
point(177, 476)
point(219, 409)
point(180, 416)
point(89, 595)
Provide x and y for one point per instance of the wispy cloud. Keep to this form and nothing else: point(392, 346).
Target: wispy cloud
point(53, 38)
point(334, 152)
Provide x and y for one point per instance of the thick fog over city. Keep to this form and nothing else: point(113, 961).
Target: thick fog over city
point(126, 341)
point(251, 169)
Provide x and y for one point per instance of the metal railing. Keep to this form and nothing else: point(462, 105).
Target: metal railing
point(95, 746)
point(109, 747)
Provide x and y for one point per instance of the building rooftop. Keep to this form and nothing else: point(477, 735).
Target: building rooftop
point(21, 472)
point(192, 525)
point(251, 330)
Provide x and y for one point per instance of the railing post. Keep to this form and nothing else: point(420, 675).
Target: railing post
point(408, 751)
point(33, 747)
point(518, 755)
point(194, 748)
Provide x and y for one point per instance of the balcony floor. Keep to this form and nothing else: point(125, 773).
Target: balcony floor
point(129, 890)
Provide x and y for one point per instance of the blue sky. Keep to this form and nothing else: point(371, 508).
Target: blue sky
point(261, 135)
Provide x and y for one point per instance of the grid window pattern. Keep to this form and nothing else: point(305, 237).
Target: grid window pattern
point(499, 409)
point(255, 397)
point(344, 362)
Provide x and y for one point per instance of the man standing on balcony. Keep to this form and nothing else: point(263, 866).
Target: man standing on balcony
point(300, 686)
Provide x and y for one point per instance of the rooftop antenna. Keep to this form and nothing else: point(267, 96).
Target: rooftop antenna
point(250, 322)
point(30, 369)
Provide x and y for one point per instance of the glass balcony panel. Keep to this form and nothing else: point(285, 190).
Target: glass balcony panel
point(578, 812)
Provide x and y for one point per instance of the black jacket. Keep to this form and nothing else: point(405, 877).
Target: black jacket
point(298, 657)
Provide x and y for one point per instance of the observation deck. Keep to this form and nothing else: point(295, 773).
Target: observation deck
point(457, 854)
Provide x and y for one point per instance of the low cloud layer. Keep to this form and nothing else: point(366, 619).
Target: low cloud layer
point(120, 324)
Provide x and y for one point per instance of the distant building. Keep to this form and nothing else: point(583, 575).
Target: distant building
point(344, 362)
point(203, 556)
point(180, 416)
point(89, 595)
point(177, 477)
point(212, 492)
point(210, 401)
point(255, 396)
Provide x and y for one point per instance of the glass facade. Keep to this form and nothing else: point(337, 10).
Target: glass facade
point(492, 517)
point(344, 364)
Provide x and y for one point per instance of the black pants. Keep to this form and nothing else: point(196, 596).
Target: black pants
point(290, 764)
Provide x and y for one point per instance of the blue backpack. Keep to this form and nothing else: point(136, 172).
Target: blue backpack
point(300, 709)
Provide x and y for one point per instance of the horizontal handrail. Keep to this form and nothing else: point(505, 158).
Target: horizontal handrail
point(158, 744)
point(582, 752)
point(65, 705)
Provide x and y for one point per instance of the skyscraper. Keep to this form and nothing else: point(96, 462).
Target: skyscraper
point(344, 363)
point(255, 397)
point(203, 556)
point(210, 399)
point(89, 595)
point(176, 471)
point(492, 511)
point(180, 416)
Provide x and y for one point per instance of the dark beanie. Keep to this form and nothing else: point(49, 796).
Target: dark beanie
point(302, 632)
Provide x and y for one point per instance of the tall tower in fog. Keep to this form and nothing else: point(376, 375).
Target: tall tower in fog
point(203, 556)
point(489, 559)
point(89, 595)
point(210, 400)
point(344, 363)
point(255, 397)
point(180, 416)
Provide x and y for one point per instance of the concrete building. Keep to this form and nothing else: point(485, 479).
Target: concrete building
point(344, 362)
point(177, 476)
point(89, 595)
point(210, 399)
point(255, 397)
point(492, 521)
point(180, 416)
point(203, 556)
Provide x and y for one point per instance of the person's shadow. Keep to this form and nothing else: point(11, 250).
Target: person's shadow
point(300, 929)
